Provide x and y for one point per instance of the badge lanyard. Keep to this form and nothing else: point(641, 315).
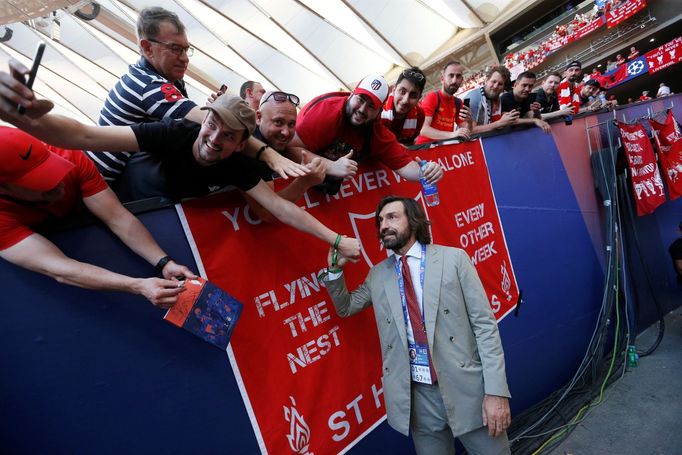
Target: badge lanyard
point(401, 283)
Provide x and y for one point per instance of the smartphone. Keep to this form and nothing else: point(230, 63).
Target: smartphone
point(34, 70)
point(467, 102)
point(532, 97)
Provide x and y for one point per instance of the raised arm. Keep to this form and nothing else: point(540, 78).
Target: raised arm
point(55, 129)
point(38, 254)
point(412, 171)
point(343, 167)
point(106, 206)
point(255, 148)
point(291, 214)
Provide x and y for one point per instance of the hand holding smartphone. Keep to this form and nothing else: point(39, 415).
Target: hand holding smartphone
point(34, 70)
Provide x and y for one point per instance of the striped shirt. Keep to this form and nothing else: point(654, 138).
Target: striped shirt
point(141, 96)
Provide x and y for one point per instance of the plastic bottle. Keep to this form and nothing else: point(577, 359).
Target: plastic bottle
point(602, 99)
point(430, 190)
point(633, 357)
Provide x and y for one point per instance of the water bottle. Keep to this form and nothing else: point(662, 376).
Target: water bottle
point(602, 99)
point(430, 190)
point(633, 357)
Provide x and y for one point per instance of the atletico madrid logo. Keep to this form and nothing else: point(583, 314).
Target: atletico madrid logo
point(376, 84)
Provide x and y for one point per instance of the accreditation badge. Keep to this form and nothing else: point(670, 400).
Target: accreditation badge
point(419, 363)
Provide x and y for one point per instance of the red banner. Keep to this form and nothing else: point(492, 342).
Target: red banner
point(311, 381)
point(587, 29)
point(624, 11)
point(669, 142)
point(646, 179)
point(664, 56)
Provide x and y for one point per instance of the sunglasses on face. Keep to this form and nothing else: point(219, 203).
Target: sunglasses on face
point(175, 48)
point(414, 75)
point(280, 97)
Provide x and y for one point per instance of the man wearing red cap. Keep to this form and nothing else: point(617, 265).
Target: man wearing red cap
point(39, 183)
point(344, 128)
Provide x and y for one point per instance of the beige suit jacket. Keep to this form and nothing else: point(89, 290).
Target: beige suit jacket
point(462, 334)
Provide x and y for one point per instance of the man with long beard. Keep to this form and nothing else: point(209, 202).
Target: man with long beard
point(443, 363)
point(486, 108)
point(446, 116)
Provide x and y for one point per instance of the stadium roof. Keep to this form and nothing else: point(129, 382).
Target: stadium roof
point(306, 47)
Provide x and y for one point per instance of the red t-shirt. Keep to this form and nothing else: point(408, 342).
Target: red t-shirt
point(17, 217)
point(323, 128)
point(444, 119)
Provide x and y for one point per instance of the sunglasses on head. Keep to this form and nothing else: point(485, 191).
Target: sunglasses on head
point(280, 97)
point(414, 75)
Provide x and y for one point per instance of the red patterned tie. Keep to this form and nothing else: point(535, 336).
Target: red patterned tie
point(416, 320)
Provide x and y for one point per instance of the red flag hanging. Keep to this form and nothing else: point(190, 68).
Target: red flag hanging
point(669, 142)
point(646, 179)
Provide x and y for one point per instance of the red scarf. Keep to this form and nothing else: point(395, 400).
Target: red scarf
point(409, 129)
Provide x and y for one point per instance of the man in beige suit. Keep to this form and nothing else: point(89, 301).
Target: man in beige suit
point(443, 364)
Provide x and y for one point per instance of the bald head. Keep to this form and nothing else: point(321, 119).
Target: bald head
point(277, 122)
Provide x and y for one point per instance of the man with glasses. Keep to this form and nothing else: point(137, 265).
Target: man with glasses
point(446, 117)
point(276, 127)
point(344, 128)
point(153, 90)
point(402, 114)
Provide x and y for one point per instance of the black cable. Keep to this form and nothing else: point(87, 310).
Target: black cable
point(623, 188)
point(536, 425)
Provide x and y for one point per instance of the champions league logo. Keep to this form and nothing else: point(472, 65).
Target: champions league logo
point(376, 84)
point(635, 67)
point(299, 431)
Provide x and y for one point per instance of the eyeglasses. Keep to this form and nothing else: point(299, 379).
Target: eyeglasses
point(413, 75)
point(280, 97)
point(175, 48)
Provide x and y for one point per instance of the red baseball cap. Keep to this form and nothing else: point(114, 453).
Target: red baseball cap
point(375, 87)
point(26, 162)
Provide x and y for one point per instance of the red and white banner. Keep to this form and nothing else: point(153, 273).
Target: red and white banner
point(669, 142)
point(587, 29)
point(646, 179)
point(311, 381)
point(665, 56)
point(624, 11)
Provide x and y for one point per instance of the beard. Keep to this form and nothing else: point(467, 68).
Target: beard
point(396, 240)
point(450, 89)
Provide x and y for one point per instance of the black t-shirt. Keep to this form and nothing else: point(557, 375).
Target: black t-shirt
point(173, 171)
point(549, 103)
point(509, 103)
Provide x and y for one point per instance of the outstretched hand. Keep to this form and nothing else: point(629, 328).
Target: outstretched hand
point(172, 271)
point(283, 165)
point(343, 167)
point(13, 92)
point(433, 171)
point(160, 292)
